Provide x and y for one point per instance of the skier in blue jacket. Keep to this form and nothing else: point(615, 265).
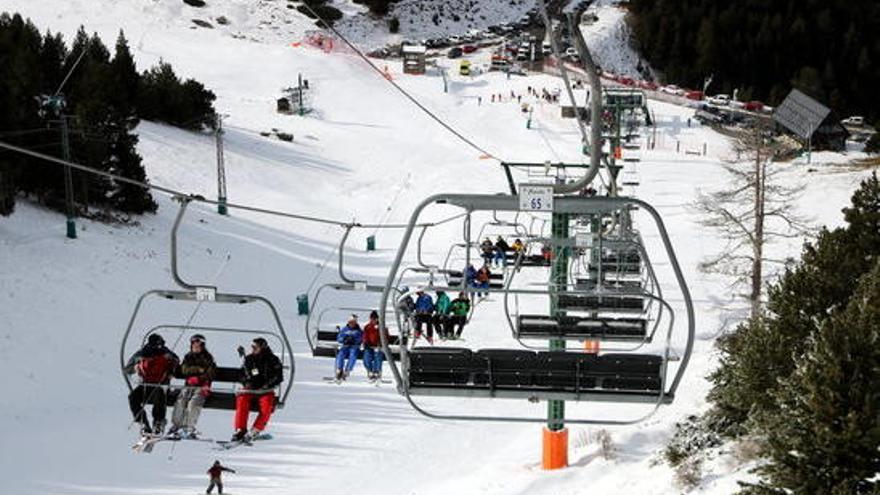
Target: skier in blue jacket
point(349, 338)
point(424, 314)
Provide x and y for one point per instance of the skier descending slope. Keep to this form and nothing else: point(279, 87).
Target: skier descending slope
point(216, 473)
point(262, 372)
point(349, 339)
point(154, 364)
point(197, 370)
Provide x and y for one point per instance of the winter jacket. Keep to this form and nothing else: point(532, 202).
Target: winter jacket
point(350, 336)
point(371, 335)
point(518, 247)
point(470, 273)
point(502, 245)
point(262, 371)
point(460, 307)
point(407, 305)
point(197, 368)
point(487, 247)
point(154, 364)
point(483, 275)
point(424, 304)
point(443, 304)
point(217, 470)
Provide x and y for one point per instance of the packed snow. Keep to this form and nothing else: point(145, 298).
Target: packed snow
point(607, 34)
point(366, 154)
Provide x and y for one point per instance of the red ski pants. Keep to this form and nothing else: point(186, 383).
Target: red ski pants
point(243, 409)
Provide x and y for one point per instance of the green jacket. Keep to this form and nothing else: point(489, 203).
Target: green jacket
point(461, 307)
point(443, 304)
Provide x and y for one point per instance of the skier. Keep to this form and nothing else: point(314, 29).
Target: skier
point(459, 308)
point(470, 276)
point(500, 257)
point(215, 472)
point(154, 364)
point(373, 354)
point(441, 314)
point(349, 339)
point(518, 246)
point(197, 370)
point(424, 314)
point(262, 372)
point(406, 305)
point(502, 244)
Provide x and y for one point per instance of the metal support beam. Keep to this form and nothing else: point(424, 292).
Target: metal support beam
point(68, 179)
point(221, 168)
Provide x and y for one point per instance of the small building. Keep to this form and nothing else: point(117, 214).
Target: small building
point(414, 59)
point(811, 122)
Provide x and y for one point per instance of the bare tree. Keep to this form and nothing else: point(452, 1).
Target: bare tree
point(753, 211)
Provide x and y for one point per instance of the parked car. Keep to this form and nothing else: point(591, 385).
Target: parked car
point(454, 52)
point(854, 121)
point(754, 106)
point(546, 49)
point(649, 85)
point(693, 94)
point(464, 68)
point(626, 81)
point(721, 100)
point(469, 48)
point(672, 89)
point(453, 40)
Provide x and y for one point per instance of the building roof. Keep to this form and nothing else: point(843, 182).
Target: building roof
point(414, 49)
point(800, 114)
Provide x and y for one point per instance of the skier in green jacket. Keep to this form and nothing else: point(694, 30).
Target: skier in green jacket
point(442, 309)
point(459, 310)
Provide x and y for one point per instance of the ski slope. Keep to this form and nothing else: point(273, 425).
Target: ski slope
point(364, 154)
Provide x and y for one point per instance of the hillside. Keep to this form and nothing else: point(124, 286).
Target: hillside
point(826, 49)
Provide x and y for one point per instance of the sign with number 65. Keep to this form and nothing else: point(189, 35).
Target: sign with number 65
point(535, 197)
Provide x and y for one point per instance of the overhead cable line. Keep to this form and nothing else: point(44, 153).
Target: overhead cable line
point(201, 199)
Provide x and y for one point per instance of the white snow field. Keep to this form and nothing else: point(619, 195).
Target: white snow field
point(64, 304)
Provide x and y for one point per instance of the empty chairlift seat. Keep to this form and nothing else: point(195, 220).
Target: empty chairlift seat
point(508, 373)
point(581, 327)
point(604, 303)
point(611, 284)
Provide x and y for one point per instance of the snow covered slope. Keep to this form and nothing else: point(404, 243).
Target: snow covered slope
point(610, 40)
point(64, 304)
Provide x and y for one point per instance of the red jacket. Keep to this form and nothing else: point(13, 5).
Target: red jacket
point(371, 335)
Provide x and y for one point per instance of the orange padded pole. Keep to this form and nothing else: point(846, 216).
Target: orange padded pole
point(555, 449)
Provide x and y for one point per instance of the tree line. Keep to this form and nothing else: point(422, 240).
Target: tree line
point(827, 49)
point(798, 381)
point(102, 102)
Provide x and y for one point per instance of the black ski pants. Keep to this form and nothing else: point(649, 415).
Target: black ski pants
point(144, 395)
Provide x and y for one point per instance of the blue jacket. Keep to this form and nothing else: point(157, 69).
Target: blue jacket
point(470, 273)
point(350, 336)
point(424, 304)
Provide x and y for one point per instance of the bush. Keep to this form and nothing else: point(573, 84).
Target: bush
point(165, 98)
point(394, 25)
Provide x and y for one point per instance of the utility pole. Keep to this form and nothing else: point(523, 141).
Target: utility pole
point(221, 167)
point(68, 178)
point(301, 100)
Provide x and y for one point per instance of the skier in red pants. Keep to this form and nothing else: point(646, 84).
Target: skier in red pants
point(262, 372)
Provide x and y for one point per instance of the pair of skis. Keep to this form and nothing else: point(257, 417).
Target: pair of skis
point(147, 442)
point(339, 381)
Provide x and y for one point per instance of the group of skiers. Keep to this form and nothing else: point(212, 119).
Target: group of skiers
point(445, 316)
point(261, 372)
point(353, 340)
point(496, 253)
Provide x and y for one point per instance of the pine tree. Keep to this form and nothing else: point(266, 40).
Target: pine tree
point(826, 435)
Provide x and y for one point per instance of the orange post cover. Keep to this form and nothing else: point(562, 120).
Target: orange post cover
point(555, 449)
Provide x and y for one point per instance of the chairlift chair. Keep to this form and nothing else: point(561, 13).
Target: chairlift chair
point(538, 375)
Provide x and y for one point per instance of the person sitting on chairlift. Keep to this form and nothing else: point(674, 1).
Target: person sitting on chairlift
point(459, 310)
point(349, 339)
point(154, 364)
point(487, 250)
point(424, 314)
point(262, 372)
point(501, 244)
point(373, 355)
point(482, 280)
point(470, 276)
point(441, 314)
point(197, 370)
point(518, 246)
